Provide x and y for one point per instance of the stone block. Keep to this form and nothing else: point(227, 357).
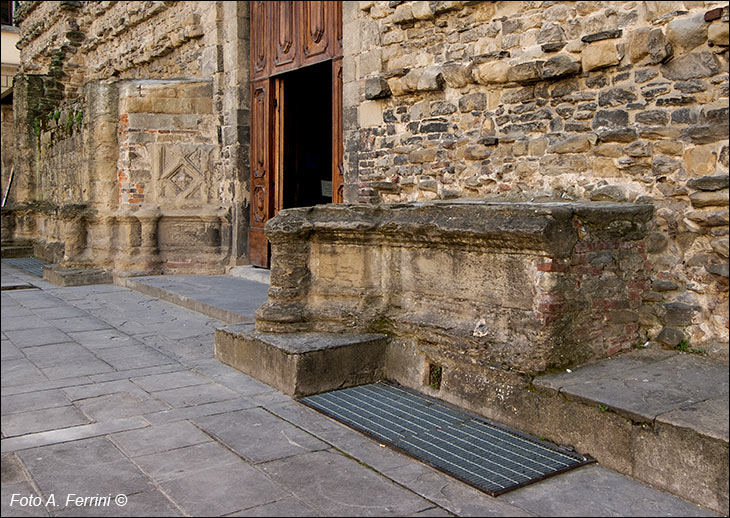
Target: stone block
point(63, 276)
point(376, 88)
point(718, 34)
point(560, 66)
point(457, 75)
point(709, 183)
point(301, 364)
point(371, 114)
point(473, 102)
point(709, 198)
point(573, 144)
point(688, 32)
point(694, 65)
point(529, 72)
point(422, 10)
point(491, 72)
point(599, 55)
point(430, 80)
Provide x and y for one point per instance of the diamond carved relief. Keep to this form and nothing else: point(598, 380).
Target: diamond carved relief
point(182, 172)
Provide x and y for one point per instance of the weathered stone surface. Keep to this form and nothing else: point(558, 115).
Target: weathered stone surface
point(472, 102)
point(450, 224)
point(709, 183)
point(687, 33)
point(649, 42)
point(709, 198)
point(431, 79)
point(721, 270)
point(376, 88)
point(457, 75)
point(719, 34)
point(616, 97)
point(603, 35)
point(491, 72)
point(691, 66)
point(599, 55)
point(670, 337)
point(560, 66)
point(529, 72)
point(420, 156)
point(302, 363)
point(573, 144)
point(678, 314)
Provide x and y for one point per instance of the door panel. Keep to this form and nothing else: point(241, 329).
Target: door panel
point(260, 55)
point(261, 177)
point(316, 27)
point(284, 24)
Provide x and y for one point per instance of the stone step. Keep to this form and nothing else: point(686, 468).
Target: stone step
point(62, 276)
point(15, 251)
point(301, 364)
point(660, 417)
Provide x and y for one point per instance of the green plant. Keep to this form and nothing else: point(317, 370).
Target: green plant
point(434, 376)
point(79, 117)
point(683, 345)
point(56, 115)
point(37, 127)
point(602, 408)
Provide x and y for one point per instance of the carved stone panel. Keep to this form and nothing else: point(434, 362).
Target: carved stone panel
point(181, 173)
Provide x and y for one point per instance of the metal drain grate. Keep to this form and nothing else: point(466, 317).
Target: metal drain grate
point(31, 265)
point(490, 457)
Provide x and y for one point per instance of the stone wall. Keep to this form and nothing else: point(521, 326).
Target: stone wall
point(133, 120)
point(618, 101)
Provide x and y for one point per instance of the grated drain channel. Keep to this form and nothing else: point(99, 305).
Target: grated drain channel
point(31, 265)
point(488, 456)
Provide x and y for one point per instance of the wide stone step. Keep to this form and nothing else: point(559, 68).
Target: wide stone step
point(660, 417)
point(11, 251)
point(301, 364)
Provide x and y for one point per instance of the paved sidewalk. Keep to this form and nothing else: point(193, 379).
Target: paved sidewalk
point(107, 391)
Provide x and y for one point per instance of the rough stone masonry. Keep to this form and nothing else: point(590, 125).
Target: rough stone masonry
point(604, 101)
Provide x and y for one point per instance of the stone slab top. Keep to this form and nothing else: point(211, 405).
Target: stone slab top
point(674, 388)
point(548, 227)
point(232, 294)
point(301, 343)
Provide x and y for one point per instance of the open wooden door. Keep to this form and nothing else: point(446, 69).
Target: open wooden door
point(288, 36)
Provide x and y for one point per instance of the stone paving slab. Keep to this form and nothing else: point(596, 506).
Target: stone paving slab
point(644, 390)
point(35, 421)
point(75, 433)
point(218, 296)
point(158, 439)
point(86, 467)
point(573, 494)
point(336, 485)
point(258, 436)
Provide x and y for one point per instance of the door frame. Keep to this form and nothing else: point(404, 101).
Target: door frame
point(286, 36)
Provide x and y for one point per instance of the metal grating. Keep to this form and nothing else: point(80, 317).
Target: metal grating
point(490, 457)
point(31, 265)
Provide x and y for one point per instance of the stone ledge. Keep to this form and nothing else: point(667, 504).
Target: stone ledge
point(62, 276)
point(301, 364)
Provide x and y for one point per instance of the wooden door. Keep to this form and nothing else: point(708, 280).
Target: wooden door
point(285, 36)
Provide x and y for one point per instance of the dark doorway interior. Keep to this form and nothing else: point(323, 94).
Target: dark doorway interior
point(307, 132)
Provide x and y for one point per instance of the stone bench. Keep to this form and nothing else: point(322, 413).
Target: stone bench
point(523, 287)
